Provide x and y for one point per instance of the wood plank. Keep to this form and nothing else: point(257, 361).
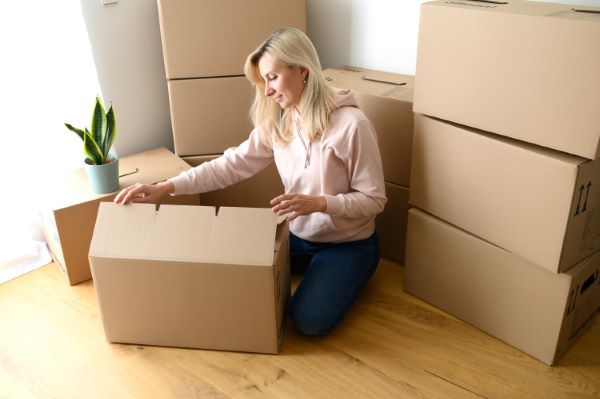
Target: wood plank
point(415, 334)
point(390, 345)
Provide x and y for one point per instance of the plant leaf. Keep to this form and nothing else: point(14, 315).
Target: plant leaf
point(75, 130)
point(91, 149)
point(111, 130)
point(98, 124)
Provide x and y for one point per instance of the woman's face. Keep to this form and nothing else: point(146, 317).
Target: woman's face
point(283, 84)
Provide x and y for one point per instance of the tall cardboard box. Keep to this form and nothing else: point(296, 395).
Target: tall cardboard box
point(524, 69)
point(70, 210)
point(209, 115)
point(213, 37)
point(387, 100)
point(391, 223)
point(255, 192)
point(540, 204)
point(186, 276)
point(537, 311)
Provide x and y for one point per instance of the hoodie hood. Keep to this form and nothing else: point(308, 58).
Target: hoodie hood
point(345, 98)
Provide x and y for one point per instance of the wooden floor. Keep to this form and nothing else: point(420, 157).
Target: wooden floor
point(392, 345)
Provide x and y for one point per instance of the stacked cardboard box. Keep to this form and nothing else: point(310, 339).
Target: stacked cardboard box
point(505, 170)
point(70, 211)
point(209, 96)
point(386, 99)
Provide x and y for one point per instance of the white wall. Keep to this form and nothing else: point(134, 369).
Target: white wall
point(375, 34)
point(127, 50)
point(125, 39)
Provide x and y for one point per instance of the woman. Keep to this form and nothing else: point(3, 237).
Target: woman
point(326, 152)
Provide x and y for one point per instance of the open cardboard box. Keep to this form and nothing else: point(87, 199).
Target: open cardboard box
point(537, 311)
point(70, 210)
point(188, 276)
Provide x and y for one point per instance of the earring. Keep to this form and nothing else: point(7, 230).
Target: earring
point(304, 81)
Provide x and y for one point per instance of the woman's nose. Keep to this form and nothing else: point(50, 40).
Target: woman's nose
point(269, 91)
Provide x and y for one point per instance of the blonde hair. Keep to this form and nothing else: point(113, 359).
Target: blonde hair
point(293, 48)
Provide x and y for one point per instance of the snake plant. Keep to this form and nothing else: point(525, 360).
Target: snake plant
point(101, 135)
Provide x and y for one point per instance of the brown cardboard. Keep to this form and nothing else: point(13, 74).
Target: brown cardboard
point(68, 221)
point(209, 115)
point(524, 69)
point(539, 312)
point(386, 99)
point(255, 192)
point(541, 204)
point(391, 223)
point(213, 37)
point(186, 276)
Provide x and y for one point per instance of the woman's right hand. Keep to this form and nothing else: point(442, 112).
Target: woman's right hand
point(144, 193)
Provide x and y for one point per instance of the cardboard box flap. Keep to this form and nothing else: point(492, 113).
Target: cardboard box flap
point(185, 233)
point(281, 235)
point(244, 235)
point(376, 83)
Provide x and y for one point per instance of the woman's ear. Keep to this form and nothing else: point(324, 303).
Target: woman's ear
point(304, 73)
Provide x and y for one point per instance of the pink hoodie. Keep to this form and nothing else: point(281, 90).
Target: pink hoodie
point(345, 167)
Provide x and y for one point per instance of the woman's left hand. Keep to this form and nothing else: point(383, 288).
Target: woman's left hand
point(298, 205)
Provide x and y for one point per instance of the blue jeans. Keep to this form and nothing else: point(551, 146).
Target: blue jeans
point(335, 274)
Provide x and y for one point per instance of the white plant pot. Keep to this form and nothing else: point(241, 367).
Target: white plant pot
point(104, 178)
